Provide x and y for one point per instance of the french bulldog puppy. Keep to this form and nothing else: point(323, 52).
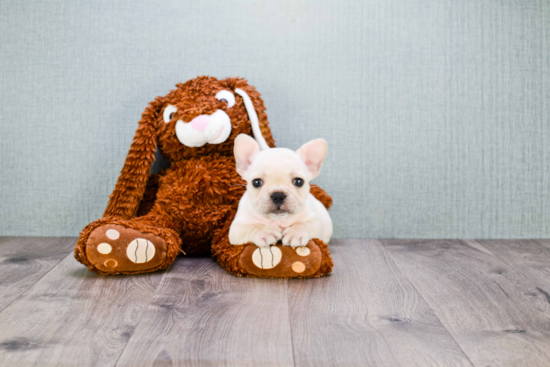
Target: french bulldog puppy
point(277, 203)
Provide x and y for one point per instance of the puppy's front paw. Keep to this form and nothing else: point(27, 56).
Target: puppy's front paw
point(267, 236)
point(295, 237)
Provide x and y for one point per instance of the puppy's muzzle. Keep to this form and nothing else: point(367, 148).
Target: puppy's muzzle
point(278, 198)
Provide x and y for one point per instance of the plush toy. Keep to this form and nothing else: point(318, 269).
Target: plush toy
point(188, 208)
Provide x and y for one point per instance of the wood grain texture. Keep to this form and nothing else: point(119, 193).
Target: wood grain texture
point(389, 303)
point(203, 316)
point(24, 260)
point(73, 317)
point(486, 304)
point(531, 258)
point(366, 314)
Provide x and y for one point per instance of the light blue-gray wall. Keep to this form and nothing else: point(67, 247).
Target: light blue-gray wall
point(437, 112)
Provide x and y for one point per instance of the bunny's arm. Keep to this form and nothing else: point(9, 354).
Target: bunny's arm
point(321, 195)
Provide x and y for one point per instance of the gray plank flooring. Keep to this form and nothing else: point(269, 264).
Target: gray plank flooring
point(203, 316)
point(366, 313)
point(24, 260)
point(72, 317)
point(485, 303)
point(531, 258)
point(388, 303)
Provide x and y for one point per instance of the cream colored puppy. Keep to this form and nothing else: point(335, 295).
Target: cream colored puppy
point(277, 203)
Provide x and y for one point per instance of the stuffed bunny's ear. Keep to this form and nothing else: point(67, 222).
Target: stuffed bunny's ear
point(253, 117)
point(130, 187)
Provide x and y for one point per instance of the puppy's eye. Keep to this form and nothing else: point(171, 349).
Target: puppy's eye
point(169, 113)
point(227, 97)
point(298, 182)
point(257, 182)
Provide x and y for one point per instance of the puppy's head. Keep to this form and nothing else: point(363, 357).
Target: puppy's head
point(278, 178)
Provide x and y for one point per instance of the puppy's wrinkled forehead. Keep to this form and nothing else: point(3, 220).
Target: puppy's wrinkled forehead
point(277, 162)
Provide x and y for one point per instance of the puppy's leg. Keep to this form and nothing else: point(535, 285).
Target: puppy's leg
point(265, 235)
point(300, 233)
point(259, 234)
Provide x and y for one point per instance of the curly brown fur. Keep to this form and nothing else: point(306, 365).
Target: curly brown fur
point(149, 196)
point(321, 195)
point(189, 206)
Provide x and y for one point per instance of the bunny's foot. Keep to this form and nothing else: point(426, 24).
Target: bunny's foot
point(124, 247)
point(277, 261)
point(286, 262)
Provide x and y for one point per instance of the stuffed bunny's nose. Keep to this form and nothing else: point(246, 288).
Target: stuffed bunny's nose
point(200, 123)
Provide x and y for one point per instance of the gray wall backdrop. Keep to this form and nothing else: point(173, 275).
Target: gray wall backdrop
point(436, 111)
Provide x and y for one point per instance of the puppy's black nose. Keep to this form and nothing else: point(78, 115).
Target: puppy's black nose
point(278, 197)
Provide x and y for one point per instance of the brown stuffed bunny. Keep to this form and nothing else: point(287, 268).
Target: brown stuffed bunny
point(189, 207)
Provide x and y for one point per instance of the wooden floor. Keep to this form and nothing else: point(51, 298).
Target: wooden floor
point(388, 303)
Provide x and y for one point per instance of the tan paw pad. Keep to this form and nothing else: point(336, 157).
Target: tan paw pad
point(104, 248)
point(113, 234)
point(298, 267)
point(111, 263)
point(140, 251)
point(267, 257)
point(303, 251)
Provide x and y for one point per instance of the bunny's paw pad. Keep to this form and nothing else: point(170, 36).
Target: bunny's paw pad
point(281, 261)
point(115, 249)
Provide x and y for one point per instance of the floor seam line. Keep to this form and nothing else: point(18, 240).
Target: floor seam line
point(143, 314)
point(38, 280)
point(428, 304)
point(514, 268)
point(290, 322)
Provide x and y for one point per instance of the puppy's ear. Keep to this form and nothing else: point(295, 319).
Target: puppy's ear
point(130, 187)
point(245, 150)
point(313, 154)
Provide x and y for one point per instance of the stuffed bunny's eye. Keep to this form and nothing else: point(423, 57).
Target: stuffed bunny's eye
point(227, 97)
point(169, 113)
